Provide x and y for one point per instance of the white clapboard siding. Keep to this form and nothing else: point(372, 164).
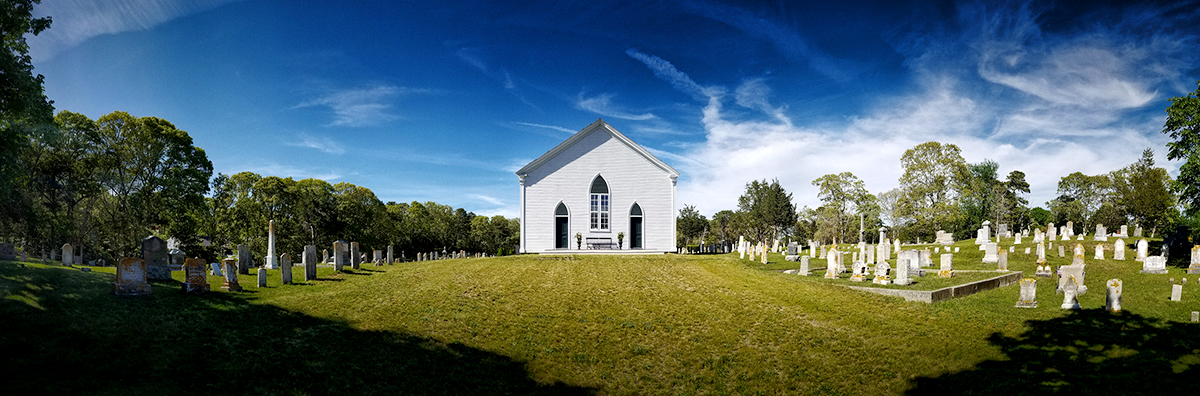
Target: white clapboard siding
point(565, 174)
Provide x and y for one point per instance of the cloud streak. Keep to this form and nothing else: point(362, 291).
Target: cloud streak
point(602, 105)
point(322, 143)
point(76, 21)
point(360, 107)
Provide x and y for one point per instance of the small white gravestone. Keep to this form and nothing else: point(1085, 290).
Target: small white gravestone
point(1077, 273)
point(1143, 249)
point(1176, 293)
point(902, 274)
point(1101, 233)
point(1002, 261)
point(1028, 298)
point(1137, 232)
point(1061, 251)
point(1112, 301)
point(1195, 316)
point(859, 272)
point(956, 249)
point(1026, 250)
point(947, 268)
point(1099, 252)
point(804, 266)
point(1012, 249)
point(1154, 265)
point(1070, 296)
point(881, 273)
point(1119, 250)
point(1017, 240)
point(990, 253)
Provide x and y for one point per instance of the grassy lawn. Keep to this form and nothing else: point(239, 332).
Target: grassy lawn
point(710, 324)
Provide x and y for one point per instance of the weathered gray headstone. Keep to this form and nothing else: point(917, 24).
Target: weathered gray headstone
point(68, 255)
point(355, 258)
point(310, 263)
point(1028, 298)
point(1101, 233)
point(805, 262)
point(262, 277)
point(285, 267)
point(1002, 261)
point(244, 260)
point(1070, 294)
point(338, 258)
point(1074, 272)
point(158, 264)
point(390, 258)
point(1119, 250)
point(990, 252)
point(947, 266)
point(1061, 251)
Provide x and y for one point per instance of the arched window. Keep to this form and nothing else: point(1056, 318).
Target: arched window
point(599, 204)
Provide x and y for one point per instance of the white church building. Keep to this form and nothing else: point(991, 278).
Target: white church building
point(598, 183)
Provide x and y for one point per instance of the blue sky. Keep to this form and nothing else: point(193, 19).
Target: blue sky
point(444, 102)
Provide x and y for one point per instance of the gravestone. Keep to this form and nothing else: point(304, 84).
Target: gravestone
point(270, 262)
point(859, 271)
point(1026, 250)
point(177, 258)
point(1176, 293)
point(1075, 272)
point(338, 257)
point(1002, 261)
point(244, 260)
point(1017, 240)
point(8, 251)
point(131, 278)
point(804, 265)
point(947, 268)
point(1154, 265)
point(324, 255)
point(882, 271)
point(1194, 266)
point(230, 280)
point(390, 258)
point(1124, 232)
point(831, 266)
point(68, 255)
point(196, 278)
point(1101, 233)
point(285, 265)
point(1119, 250)
point(1002, 231)
point(310, 263)
point(902, 274)
point(158, 264)
point(262, 277)
point(216, 269)
point(793, 253)
point(1099, 252)
point(1195, 316)
point(1143, 249)
point(1028, 298)
point(355, 258)
point(1061, 251)
point(1070, 294)
point(924, 259)
point(1112, 300)
point(1051, 232)
point(1137, 232)
point(990, 253)
point(1044, 271)
point(956, 249)
point(824, 254)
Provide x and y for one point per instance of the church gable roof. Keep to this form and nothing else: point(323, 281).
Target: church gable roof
point(598, 126)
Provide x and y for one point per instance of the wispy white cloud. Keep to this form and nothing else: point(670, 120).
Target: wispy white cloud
point(1065, 114)
point(323, 143)
point(602, 105)
point(551, 127)
point(487, 199)
point(667, 72)
point(76, 21)
point(357, 107)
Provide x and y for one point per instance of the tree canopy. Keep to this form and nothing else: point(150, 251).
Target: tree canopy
point(1183, 126)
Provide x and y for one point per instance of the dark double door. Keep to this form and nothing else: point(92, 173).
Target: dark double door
point(635, 233)
point(561, 230)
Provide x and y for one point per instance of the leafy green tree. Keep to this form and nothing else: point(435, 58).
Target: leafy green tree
point(766, 210)
point(1011, 205)
point(1079, 198)
point(845, 197)
point(690, 226)
point(1142, 192)
point(24, 109)
point(721, 227)
point(1039, 217)
point(934, 177)
point(1183, 126)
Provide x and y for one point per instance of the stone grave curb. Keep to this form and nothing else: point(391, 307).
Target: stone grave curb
point(946, 293)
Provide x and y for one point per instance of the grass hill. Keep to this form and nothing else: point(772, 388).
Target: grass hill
point(590, 325)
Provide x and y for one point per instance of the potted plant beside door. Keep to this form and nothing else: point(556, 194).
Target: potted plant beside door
point(620, 240)
point(578, 241)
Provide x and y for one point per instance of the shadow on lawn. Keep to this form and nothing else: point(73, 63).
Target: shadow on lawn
point(63, 332)
point(1087, 352)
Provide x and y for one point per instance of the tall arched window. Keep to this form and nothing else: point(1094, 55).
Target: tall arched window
point(599, 204)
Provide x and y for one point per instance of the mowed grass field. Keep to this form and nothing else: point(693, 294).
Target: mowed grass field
point(685, 325)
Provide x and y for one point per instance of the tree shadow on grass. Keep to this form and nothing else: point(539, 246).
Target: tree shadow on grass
point(1087, 352)
point(63, 332)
